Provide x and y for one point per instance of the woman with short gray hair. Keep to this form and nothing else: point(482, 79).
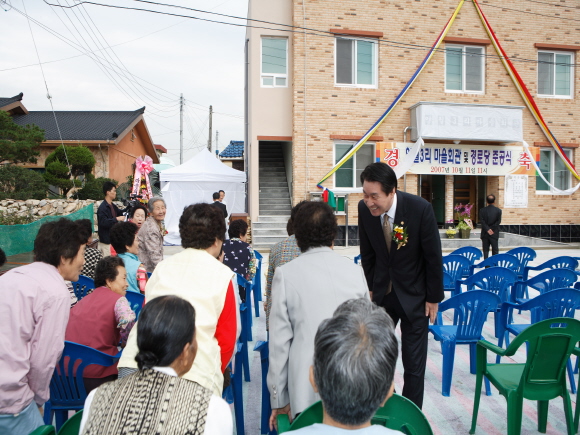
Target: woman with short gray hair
point(151, 235)
point(355, 355)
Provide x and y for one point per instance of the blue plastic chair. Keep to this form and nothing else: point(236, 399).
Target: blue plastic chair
point(136, 301)
point(556, 303)
point(245, 312)
point(525, 255)
point(497, 280)
point(448, 283)
point(236, 385)
point(262, 347)
point(471, 309)
point(248, 286)
point(544, 282)
point(500, 260)
point(457, 266)
point(563, 262)
point(67, 389)
point(257, 284)
point(82, 287)
point(357, 259)
point(472, 253)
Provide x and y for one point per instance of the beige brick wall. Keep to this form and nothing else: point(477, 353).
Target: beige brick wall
point(325, 109)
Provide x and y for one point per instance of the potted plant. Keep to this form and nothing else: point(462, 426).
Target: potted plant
point(464, 215)
point(451, 232)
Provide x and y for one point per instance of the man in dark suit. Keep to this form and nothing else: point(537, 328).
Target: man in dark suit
point(401, 257)
point(490, 218)
point(218, 204)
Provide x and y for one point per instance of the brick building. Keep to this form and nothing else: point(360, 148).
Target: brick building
point(312, 94)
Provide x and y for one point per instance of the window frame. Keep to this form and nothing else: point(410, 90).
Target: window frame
point(572, 55)
point(353, 188)
point(375, 85)
point(274, 76)
point(553, 156)
point(464, 69)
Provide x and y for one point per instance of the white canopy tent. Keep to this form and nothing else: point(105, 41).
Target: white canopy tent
point(195, 181)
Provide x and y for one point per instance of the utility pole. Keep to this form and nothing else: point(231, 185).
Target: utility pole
point(209, 140)
point(181, 129)
point(217, 135)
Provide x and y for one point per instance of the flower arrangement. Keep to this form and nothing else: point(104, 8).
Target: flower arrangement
point(400, 236)
point(464, 215)
point(451, 232)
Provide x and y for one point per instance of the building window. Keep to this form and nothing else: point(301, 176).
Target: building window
point(349, 174)
point(274, 62)
point(464, 68)
point(555, 74)
point(356, 62)
point(554, 170)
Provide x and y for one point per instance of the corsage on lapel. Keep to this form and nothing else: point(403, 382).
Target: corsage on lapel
point(400, 236)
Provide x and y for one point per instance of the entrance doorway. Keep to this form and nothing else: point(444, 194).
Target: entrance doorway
point(470, 189)
point(433, 190)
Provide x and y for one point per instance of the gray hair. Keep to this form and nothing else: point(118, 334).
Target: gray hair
point(152, 201)
point(355, 354)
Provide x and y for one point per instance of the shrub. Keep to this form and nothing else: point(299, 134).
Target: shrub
point(21, 183)
point(93, 188)
point(12, 219)
point(81, 161)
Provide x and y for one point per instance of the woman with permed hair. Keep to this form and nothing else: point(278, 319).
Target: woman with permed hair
point(239, 255)
point(196, 275)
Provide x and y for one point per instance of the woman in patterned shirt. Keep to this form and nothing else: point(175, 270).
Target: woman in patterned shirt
point(238, 254)
point(103, 319)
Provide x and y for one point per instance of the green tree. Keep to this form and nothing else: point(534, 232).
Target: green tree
point(65, 165)
point(17, 182)
point(18, 144)
point(93, 188)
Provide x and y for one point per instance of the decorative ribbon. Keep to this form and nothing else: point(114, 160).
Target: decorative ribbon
point(517, 80)
point(524, 92)
point(376, 125)
point(143, 167)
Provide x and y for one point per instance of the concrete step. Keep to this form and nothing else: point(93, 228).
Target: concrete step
point(275, 201)
point(275, 206)
point(264, 219)
point(272, 160)
point(274, 184)
point(269, 181)
point(270, 232)
point(268, 240)
point(258, 226)
point(275, 191)
point(274, 212)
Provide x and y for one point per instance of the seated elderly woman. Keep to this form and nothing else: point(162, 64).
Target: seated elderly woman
point(124, 239)
point(238, 254)
point(355, 356)
point(156, 399)
point(306, 291)
point(151, 235)
point(102, 319)
point(197, 276)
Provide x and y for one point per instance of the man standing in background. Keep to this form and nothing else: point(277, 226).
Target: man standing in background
point(108, 214)
point(490, 218)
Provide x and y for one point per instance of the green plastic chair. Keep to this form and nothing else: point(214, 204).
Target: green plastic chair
point(73, 425)
point(542, 377)
point(399, 413)
point(44, 430)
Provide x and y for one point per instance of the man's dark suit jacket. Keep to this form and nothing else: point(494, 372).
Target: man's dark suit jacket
point(415, 269)
point(105, 220)
point(222, 207)
point(490, 218)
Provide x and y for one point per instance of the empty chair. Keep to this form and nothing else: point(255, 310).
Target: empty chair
point(563, 262)
point(525, 255)
point(545, 282)
point(83, 286)
point(456, 265)
point(357, 259)
point(472, 253)
point(448, 283)
point(262, 347)
point(471, 309)
point(502, 260)
point(257, 283)
point(542, 377)
point(136, 301)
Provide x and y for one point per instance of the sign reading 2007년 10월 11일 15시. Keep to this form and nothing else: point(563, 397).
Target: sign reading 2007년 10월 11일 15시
point(451, 159)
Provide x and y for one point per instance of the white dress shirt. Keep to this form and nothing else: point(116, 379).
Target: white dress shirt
point(390, 213)
point(219, 415)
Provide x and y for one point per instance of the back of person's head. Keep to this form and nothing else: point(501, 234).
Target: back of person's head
point(490, 199)
point(215, 195)
point(314, 225)
point(106, 270)
point(166, 324)
point(107, 186)
point(200, 225)
point(59, 239)
point(290, 224)
point(238, 228)
point(3, 258)
point(122, 235)
point(355, 354)
point(87, 227)
point(381, 173)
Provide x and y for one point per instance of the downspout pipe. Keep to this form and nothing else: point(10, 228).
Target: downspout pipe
point(247, 122)
point(407, 128)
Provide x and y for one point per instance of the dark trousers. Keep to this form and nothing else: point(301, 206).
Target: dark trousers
point(414, 337)
point(486, 242)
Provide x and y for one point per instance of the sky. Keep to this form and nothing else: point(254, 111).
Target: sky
point(115, 59)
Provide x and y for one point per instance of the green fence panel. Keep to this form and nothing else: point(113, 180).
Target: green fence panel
point(17, 239)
